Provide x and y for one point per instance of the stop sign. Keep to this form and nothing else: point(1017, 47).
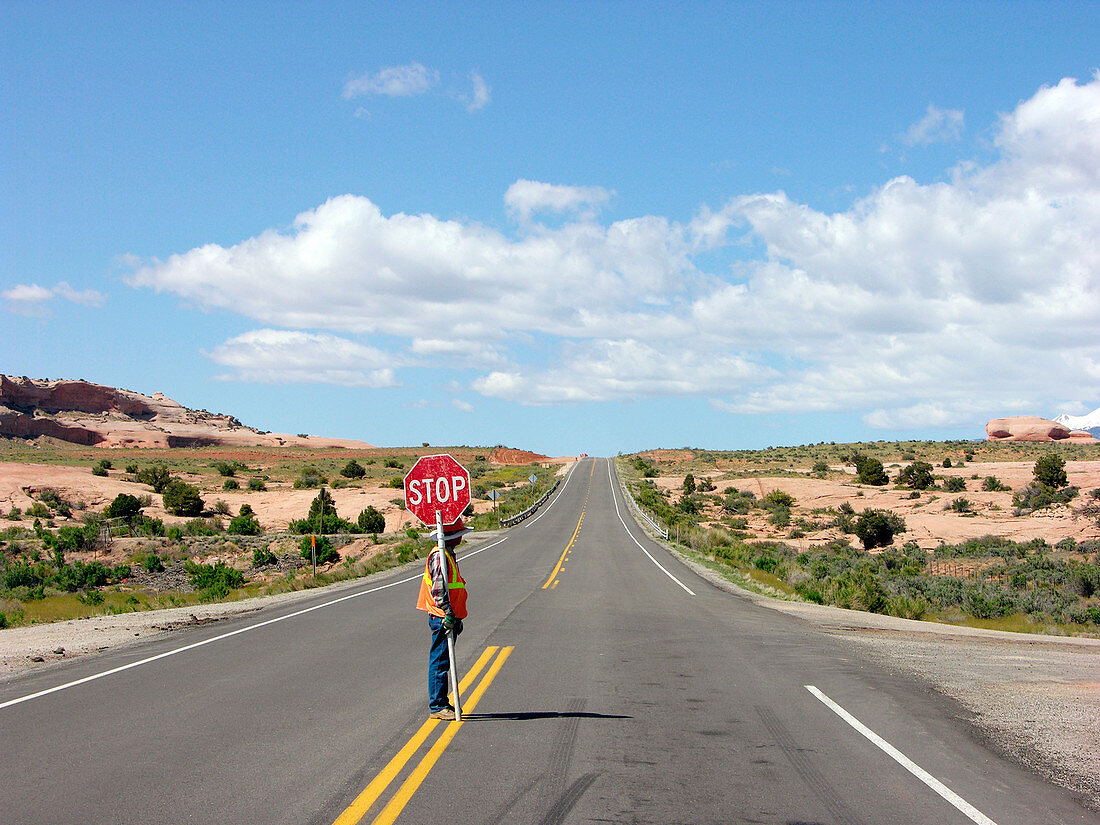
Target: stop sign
point(437, 483)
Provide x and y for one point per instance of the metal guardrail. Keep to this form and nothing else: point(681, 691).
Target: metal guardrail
point(516, 519)
point(629, 496)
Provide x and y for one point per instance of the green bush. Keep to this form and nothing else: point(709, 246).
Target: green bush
point(917, 476)
point(213, 581)
point(125, 507)
point(262, 556)
point(372, 521)
point(309, 477)
point(954, 484)
point(353, 469)
point(182, 499)
point(152, 563)
point(870, 471)
point(778, 498)
point(1050, 470)
point(330, 522)
point(876, 528)
point(325, 551)
point(156, 477)
point(689, 484)
point(231, 484)
point(992, 484)
point(244, 523)
point(960, 505)
point(256, 485)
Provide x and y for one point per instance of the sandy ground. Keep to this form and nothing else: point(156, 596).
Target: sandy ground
point(927, 521)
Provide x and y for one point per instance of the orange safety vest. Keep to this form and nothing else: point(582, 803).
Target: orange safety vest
point(456, 589)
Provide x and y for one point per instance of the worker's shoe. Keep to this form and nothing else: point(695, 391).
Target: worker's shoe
point(443, 713)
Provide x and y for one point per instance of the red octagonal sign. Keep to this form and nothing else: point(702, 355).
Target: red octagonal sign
point(437, 483)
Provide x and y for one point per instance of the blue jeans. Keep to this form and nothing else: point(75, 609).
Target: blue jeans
point(438, 666)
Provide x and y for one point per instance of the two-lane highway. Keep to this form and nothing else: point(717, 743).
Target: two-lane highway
point(606, 682)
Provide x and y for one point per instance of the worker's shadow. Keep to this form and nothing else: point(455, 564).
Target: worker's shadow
point(529, 715)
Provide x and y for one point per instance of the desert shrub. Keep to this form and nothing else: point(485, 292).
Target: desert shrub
point(821, 468)
point(182, 499)
point(960, 505)
point(325, 551)
point(876, 528)
point(766, 563)
point(152, 563)
point(393, 464)
point(371, 521)
point(353, 469)
point(244, 523)
point(202, 527)
point(70, 539)
point(396, 482)
point(39, 510)
point(646, 469)
point(947, 462)
point(124, 506)
point(738, 502)
point(780, 516)
point(954, 484)
point(917, 476)
point(778, 498)
point(705, 485)
point(1050, 470)
point(221, 507)
point(992, 484)
point(231, 484)
point(308, 477)
point(689, 484)
point(101, 467)
point(262, 556)
point(213, 581)
point(870, 471)
point(82, 575)
point(156, 477)
point(24, 574)
point(225, 468)
point(1037, 495)
point(322, 518)
point(256, 484)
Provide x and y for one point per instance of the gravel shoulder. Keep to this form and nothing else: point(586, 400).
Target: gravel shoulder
point(1036, 698)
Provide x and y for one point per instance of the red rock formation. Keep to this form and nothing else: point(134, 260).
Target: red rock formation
point(92, 414)
point(1025, 428)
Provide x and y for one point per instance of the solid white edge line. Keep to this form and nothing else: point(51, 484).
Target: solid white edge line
point(924, 776)
point(568, 478)
point(213, 639)
point(615, 499)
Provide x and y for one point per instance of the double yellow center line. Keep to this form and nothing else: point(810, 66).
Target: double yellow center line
point(362, 804)
point(552, 582)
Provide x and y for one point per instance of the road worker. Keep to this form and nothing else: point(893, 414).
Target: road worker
point(443, 598)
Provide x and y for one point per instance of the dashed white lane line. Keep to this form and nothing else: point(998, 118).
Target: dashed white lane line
point(924, 776)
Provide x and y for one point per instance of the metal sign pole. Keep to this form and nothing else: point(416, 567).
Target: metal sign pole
point(450, 634)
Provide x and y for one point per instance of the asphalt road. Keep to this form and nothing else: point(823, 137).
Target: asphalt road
point(607, 683)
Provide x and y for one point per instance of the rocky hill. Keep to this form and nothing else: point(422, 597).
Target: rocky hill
point(1033, 428)
point(95, 415)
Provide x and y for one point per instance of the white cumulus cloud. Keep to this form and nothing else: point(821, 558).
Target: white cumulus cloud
point(933, 303)
point(273, 356)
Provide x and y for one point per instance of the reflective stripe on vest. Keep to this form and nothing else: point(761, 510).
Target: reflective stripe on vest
point(456, 590)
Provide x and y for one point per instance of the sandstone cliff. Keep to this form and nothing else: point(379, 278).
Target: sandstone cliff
point(92, 414)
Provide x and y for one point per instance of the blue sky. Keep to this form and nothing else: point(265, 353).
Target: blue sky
point(563, 227)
